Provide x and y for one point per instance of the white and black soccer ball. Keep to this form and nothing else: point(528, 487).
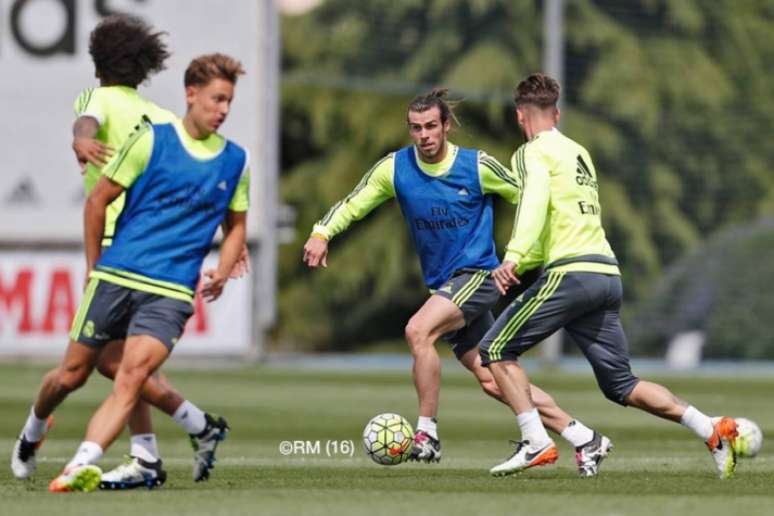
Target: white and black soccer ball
point(388, 439)
point(750, 438)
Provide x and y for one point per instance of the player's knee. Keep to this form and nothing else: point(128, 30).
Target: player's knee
point(618, 391)
point(132, 378)
point(107, 369)
point(416, 336)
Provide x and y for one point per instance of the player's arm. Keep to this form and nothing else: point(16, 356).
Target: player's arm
point(235, 235)
point(119, 174)
point(104, 192)
point(530, 213)
point(240, 202)
point(230, 251)
point(375, 188)
point(242, 266)
point(89, 115)
point(495, 178)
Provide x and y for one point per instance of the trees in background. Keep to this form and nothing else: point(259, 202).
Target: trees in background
point(671, 97)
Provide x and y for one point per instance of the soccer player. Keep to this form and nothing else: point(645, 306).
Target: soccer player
point(125, 51)
point(446, 193)
point(579, 290)
point(181, 180)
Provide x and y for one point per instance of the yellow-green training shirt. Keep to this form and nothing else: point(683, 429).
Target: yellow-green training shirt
point(118, 110)
point(559, 207)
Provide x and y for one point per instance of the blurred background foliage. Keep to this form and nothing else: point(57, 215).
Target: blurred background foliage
point(673, 99)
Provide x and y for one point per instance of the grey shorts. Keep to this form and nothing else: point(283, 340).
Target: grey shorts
point(109, 312)
point(475, 292)
point(587, 306)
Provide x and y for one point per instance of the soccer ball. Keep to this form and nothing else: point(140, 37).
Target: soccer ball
point(750, 439)
point(388, 439)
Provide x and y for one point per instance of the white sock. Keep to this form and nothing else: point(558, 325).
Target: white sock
point(698, 422)
point(532, 429)
point(577, 433)
point(35, 427)
point(88, 453)
point(429, 425)
point(145, 447)
point(190, 418)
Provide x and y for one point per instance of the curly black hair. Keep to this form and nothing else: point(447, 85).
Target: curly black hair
point(125, 50)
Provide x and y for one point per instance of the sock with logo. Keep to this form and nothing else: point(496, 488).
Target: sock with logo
point(429, 425)
point(88, 453)
point(190, 418)
point(577, 433)
point(532, 428)
point(698, 422)
point(145, 447)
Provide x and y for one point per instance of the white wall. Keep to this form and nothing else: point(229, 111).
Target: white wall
point(37, 94)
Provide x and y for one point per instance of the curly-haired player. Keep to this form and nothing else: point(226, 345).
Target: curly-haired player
point(125, 52)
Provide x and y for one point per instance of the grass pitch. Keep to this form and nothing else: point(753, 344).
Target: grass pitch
point(656, 467)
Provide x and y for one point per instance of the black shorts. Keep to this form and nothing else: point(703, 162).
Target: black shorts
point(109, 312)
point(587, 306)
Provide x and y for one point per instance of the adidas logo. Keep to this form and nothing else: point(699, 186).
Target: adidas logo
point(222, 185)
point(446, 288)
point(462, 191)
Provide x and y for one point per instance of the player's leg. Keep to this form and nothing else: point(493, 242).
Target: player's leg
point(601, 337)
point(143, 354)
point(77, 364)
point(203, 429)
point(465, 345)
point(142, 468)
point(544, 308)
point(552, 416)
point(71, 374)
point(435, 318)
point(143, 441)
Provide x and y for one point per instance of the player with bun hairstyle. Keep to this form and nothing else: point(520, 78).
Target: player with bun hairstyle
point(446, 194)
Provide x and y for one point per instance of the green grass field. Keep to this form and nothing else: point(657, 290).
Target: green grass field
point(656, 467)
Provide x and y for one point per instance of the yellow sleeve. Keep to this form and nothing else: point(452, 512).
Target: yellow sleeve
point(497, 179)
point(531, 213)
point(241, 199)
point(130, 161)
point(375, 188)
point(90, 102)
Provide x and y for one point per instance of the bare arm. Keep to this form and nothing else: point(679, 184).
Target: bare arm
point(103, 194)
point(85, 145)
point(230, 250)
point(242, 266)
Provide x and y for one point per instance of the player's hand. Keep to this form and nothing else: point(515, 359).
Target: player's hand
point(242, 266)
point(213, 285)
point(89, 150)
point(505, 276)
point(316, 252)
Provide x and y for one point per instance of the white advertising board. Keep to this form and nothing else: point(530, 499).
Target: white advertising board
point(40, 293)
point(44, 64)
